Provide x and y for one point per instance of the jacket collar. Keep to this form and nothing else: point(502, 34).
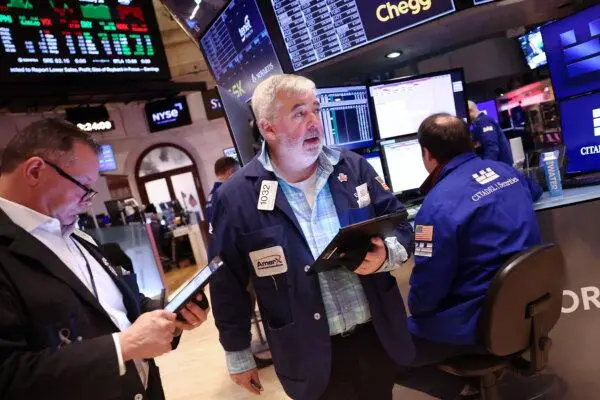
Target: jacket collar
point(262, 167)
point(437, 175)
point(23, 245)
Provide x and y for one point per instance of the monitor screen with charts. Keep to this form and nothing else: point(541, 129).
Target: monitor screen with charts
point(400, 106)
point(85, 41)
point(346, 117)
point(317, 30)
point(405, 165)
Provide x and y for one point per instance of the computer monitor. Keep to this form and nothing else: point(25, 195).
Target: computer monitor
point(346, 116)
point(517, 115)
point(532, 45)
point(402, 105)
point(580, 119)
point(504, 120)
point(572, 45)
point(405, 165)
point(374, 159)
point(489, 108)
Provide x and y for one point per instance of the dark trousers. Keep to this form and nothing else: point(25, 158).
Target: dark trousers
point(423, 374)
point(361, 369)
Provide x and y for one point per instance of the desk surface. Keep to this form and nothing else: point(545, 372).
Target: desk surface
point(569, 197)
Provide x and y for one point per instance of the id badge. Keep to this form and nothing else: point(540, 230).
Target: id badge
point(269, 262)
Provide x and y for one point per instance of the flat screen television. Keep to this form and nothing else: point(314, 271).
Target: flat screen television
point(106, 158)
point(167, 114)
point(238, 49)
point(489, 108)
point(346, 116)
point(402, 105)
point(194, 15)
point(572, 45)
point(532, 45)
point(51, 41)
point(580, 119)
point(315, 31)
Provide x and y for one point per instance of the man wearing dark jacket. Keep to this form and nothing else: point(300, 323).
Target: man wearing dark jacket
point(70, 328)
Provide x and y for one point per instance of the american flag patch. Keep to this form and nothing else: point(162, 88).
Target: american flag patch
point(424, 233)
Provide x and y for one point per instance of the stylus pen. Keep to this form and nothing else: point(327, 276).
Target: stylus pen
point(163, 298)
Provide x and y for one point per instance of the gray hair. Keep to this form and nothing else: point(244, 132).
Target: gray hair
point(264, 100)
point(50, 139)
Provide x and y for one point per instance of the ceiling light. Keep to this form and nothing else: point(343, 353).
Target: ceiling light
point(394, 54)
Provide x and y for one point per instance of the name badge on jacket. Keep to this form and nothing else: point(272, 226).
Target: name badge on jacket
point(269, 262)
point(267, 195)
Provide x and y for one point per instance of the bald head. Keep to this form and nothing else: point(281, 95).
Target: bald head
point(445, 137)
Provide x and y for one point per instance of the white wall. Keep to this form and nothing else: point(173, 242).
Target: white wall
point(204, 140)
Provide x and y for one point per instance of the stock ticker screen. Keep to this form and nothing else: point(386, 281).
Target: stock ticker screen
point(239, 50)
point(63, 39)
point(316, 30)
point(345, 116)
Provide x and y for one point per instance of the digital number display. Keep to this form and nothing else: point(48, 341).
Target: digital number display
point(59, 39)
point(316, 30)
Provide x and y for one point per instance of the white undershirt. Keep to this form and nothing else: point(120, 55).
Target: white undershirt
point(48, 231)
point(309, 188)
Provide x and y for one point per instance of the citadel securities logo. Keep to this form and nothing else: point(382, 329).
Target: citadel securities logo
point(384, 17)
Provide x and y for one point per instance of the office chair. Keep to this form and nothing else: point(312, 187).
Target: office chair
point(521, 306)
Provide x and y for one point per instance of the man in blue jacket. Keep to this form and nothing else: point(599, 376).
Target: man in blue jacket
point(476, 215)
point(225, 167)
point(488, 133)
point(333, 335)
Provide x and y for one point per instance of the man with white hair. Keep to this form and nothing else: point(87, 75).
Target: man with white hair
point(334, 335)
point(488, 133)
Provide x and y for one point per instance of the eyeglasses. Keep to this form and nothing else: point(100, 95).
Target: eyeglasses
point(88, 192)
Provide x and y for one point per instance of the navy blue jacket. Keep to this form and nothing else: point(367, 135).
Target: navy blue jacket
point(211, 200)
point(291, 303)
point(493, 141)
point(478, 215)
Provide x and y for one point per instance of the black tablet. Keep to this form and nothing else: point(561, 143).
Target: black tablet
point(357, 236)
point(194, 286)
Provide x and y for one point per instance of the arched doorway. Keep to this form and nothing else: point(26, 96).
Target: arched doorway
point(166, 172)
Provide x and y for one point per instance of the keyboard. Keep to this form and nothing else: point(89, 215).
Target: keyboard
point(581, 181)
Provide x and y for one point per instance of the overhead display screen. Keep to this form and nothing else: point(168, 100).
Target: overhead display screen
point(61, 39)
point(573, 49)
point(238, 49)
point(316, 30)
point(194, 15)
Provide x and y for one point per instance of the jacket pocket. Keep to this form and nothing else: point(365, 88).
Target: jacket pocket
point(284, 346)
